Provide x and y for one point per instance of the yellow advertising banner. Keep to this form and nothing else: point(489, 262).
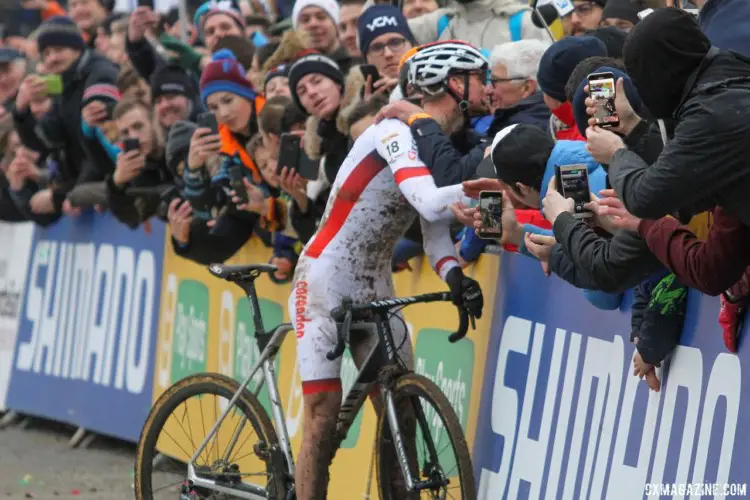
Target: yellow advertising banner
point(206, 325)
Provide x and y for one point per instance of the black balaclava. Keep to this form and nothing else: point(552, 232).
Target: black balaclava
point(660, 54)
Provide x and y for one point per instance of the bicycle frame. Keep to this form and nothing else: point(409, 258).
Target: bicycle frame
point(382, 355)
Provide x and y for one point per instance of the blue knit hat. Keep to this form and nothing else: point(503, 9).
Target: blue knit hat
point(225, 74)
point(579, 98)
point(379, 20)
point(561, 58)
point(59, 31)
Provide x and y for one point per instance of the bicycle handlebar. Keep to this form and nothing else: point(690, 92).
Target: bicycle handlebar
point(344, 315)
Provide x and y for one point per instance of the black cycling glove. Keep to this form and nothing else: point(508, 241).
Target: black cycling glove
point(465, 292)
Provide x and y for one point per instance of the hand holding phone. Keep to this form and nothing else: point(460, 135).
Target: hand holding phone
point(370, 70)
point(208, 120)
point(602, 90)
point(129, 145)
point(236, 176)
point(491, 212)
point(53, 84)
point(289, 152)
point(572, 182)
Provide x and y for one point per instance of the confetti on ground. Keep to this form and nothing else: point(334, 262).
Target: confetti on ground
point(26, 479)
point(75, 492)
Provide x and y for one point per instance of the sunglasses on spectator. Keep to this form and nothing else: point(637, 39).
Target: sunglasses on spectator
point(394, 44)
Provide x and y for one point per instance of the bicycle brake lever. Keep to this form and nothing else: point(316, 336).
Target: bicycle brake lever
point(463, 327)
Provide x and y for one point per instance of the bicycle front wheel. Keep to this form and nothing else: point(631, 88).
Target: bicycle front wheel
point(238, 454)
point(436, 447)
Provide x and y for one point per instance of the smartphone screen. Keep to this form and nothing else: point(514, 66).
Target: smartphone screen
point(573, 182)
point(236, 175)
point(602, 90)
point(491, 211)
point(289, 152)
point(208, 120)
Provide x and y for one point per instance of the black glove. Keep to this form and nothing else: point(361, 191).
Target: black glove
point(465, 292)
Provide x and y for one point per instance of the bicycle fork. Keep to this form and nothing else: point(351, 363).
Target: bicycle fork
point(402, 454)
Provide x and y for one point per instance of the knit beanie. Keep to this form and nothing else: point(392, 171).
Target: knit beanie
point(661, 54)
point(313, 63)
point(281, 70)
point(213, 7)
point(178, 143)
point(331, 7)
point(171, 79)
point(225, 74)
point(379, 20)
point(59, 31)
point(626, 10)
point(579, 98)
point(612, 37)
point(105, 92)
point(561, 58)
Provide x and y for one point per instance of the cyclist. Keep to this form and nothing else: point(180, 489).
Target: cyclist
point(379, 190)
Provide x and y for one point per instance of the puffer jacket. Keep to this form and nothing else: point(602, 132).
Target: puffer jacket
point(484, 23)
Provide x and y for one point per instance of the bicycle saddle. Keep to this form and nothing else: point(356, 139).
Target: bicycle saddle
point(241, 272)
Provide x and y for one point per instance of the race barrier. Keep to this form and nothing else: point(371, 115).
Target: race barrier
point(562, 416)
point(97, 320)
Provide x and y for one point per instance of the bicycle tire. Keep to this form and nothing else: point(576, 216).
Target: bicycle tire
point(412, 384)
point(202, 383)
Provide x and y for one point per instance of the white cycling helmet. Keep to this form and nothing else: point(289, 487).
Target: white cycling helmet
point(431, 64)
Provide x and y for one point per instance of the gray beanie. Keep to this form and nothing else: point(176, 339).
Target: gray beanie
point(178, 143)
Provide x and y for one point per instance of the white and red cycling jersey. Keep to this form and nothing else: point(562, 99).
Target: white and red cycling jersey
point(379, 190)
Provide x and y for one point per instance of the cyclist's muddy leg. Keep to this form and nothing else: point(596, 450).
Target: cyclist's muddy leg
point(318, 436)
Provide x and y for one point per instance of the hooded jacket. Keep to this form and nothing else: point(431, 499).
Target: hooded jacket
point(483, 23)
point(725, 23)
point(704, 165)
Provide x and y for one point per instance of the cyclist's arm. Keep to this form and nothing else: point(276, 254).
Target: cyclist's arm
point(399, 149)
point(439, 246)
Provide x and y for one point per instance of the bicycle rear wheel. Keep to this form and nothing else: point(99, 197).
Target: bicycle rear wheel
point(239, 453)
point(443, 458)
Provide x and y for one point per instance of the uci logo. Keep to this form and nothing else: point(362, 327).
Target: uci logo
point(382, 22)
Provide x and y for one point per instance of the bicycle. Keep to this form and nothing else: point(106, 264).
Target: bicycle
point(222, 475)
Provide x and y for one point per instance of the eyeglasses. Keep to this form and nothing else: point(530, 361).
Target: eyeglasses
point(495, 81)
point(585, 8)
point(378, 49)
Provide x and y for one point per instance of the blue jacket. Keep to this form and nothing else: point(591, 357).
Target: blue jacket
point(727, 24)
point(531, 111)
point(568, 153)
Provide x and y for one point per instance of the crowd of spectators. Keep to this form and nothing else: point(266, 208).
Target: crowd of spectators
point(131, 109)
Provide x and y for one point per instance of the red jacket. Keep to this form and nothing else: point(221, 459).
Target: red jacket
point(570, 133)
point(711, 266)
point(528, 216)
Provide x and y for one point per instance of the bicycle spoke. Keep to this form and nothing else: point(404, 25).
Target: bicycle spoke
point(233, 459)
point(175, 442)
point(168, 486)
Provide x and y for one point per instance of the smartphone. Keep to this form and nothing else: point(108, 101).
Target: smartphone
point(491, 211)
point(236, 175)
point(146, 3)
point(573, 182)
point(129, 145)
point(602, 89)
point(289, 152)
point(208, 120)
point(370, 70)
point(53, 83)
point(308, 168)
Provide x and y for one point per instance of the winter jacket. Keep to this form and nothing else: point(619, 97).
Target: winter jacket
point(725, 23)
point(133, 210)
point(81, 159)
point(703, 165)
point(711, 266)
point(206, 246)
point(531, 111)
point(483, 23)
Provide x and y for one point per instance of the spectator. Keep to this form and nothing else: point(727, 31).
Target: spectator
point(276, 82)
point(116, 45)
point(623, 14)
point(260, 59)
point(88, 15)
point(9, 144)
point(256, 26)
point(319, 20)
point(384, 37)
point(13, 68)
point(680, 75)
point(317, 86)
point(725, 23)
point(172, 26)
point(555, 68)
point(415, 8)
point(215, 20)
point(512, 91)
point(242, 49)
point(587, 15)
point(88, 93)
point(140, 168)
point(175, 97)
point(132, 87)
point(349, 14)
point(483, 23)
point(104, 32)
point(613, 39)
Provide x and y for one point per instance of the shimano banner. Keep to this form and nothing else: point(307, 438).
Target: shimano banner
point(85, 347)
point(562, 416)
